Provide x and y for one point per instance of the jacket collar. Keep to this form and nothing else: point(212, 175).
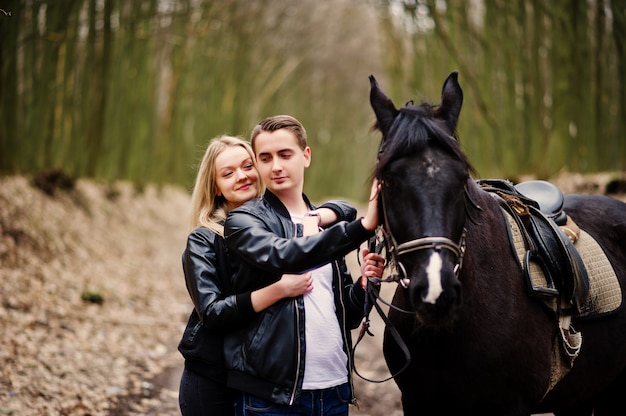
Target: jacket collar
point(279, 207)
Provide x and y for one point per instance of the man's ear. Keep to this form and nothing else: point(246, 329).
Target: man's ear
point(307, 156)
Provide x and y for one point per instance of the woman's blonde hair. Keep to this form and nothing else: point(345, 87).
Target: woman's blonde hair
point(208, 208)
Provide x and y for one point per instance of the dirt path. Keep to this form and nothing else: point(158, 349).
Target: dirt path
point(92, 300)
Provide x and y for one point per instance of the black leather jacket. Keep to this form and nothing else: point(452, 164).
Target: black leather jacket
point(208, 270)
point(266, 358)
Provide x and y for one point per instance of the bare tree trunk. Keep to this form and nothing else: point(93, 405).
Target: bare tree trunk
point(9, 35)
point(100, 51)
point(619, 34)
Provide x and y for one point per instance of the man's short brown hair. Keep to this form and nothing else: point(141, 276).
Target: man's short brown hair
point(274, 123)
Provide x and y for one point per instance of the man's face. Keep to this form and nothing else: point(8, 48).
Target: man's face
point(281, 162)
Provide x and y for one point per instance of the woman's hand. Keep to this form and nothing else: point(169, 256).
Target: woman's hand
point(324, 216)
point(294, 285)
point(289, 286)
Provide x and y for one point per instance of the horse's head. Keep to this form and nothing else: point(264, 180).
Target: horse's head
point(423, 174)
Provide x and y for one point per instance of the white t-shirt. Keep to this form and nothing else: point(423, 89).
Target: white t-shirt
point(325, 361)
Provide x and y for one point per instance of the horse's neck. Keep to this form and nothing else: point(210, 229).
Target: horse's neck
point(479, 198)
point(485, 211)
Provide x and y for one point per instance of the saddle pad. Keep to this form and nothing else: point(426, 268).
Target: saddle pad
point(605, 295)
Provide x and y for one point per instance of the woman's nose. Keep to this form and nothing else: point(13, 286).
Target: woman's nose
point(241, 174)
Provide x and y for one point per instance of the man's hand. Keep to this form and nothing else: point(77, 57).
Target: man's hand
point(373, 265)
point(370, 221)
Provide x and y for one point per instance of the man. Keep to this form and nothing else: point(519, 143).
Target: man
point(294, 357)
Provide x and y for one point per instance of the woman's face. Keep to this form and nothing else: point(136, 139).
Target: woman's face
point(236, 178)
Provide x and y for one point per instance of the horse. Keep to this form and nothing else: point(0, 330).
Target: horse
point(479, 343)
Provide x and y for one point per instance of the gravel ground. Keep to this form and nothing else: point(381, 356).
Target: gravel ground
point(93, 302)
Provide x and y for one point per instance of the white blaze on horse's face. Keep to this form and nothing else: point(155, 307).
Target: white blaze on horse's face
point(433, 272)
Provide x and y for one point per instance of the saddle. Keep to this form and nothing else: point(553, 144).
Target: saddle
point(549, 235)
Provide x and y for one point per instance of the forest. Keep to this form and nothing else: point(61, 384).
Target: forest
point(134, 90)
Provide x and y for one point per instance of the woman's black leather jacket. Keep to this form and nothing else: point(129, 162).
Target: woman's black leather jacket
point(208, 270)
point(266, 358)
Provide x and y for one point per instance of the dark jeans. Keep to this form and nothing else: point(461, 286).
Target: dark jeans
point(328, 402)
point(201, 396)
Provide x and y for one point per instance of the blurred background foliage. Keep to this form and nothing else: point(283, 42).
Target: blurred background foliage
point(135, 89)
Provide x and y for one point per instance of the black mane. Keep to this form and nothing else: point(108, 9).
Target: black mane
point(411, 131)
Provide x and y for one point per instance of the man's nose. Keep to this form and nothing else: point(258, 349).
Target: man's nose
point(276, 165)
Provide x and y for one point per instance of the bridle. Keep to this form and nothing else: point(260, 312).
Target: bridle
point(438, 244)
point(394, 251)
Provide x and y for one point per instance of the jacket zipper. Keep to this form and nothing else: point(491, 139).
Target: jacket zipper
point(295, 385)
point(343, 330)
point(298, 323)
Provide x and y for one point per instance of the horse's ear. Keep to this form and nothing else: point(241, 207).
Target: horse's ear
point(451, 100)
point(383, 107)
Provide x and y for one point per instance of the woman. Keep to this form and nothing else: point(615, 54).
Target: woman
point(227, 178)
